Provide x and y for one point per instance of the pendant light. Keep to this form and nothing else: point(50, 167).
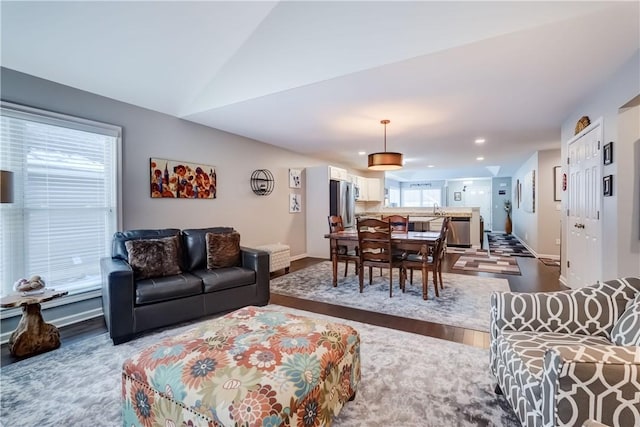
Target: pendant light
point(385, 161)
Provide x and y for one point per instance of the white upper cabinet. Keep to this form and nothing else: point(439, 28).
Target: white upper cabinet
point(374, 190)
point(338, 174)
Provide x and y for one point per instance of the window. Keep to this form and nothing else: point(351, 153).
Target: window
point(421, 197)
point(66, 205)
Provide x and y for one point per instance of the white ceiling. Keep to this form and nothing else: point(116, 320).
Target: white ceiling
point(317, 77)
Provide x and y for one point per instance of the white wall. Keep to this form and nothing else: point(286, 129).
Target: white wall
point(146, 133)
point(525, 224)
point(620, 217)
point(549, 225)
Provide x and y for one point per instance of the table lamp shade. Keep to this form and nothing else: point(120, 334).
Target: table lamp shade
point(6, 186)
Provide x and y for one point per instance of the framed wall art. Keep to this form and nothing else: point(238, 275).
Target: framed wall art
point(557, 183)
point(295, 178)
point(607, 185)
point(295, 203)
point(607, 153)
point(457, 196)
point(529, 192)
point(182, 180)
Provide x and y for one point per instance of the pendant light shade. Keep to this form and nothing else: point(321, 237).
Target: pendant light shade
point(386, 160)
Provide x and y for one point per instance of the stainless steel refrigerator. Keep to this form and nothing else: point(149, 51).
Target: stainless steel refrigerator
point(342, 201)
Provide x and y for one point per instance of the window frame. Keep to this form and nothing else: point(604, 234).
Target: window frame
point(23, 112)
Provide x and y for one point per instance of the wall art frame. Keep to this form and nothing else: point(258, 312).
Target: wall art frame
point(182, 180)
point(607, 185)
point(457, 196)
point(295, 178)
point(295, 203)
point(607, 153)
point(557, 183)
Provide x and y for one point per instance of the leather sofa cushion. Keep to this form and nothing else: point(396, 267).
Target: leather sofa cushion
point(225, 278)
point(223, 250)
point(158, 289)
point(153, 257)
point(195, 245)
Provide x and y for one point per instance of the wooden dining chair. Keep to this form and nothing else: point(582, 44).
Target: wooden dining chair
point(428, 259)
point(374, 243)
point(345, 253)
point(444, 235)
point(399, 223)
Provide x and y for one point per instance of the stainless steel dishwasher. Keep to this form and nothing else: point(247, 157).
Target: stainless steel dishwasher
point(459, 232)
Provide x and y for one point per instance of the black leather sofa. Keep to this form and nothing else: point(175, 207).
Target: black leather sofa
point(132, 306)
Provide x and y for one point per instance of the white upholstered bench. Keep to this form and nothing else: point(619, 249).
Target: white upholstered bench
point(279, 256)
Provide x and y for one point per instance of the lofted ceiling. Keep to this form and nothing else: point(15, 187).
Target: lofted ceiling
point(317, 77)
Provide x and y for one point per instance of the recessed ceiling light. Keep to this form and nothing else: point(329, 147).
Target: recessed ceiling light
point(480, 140)
point(430, 166)
point(480, 158)
point(362, 153)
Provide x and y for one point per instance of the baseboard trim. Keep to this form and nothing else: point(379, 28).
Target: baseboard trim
point(62, 321)
point(297, 257)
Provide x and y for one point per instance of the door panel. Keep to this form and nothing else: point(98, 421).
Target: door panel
point(584, 198)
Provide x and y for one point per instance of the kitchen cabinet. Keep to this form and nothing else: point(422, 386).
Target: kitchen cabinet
point(374, 190)
point(338, 173)
point(363, 188)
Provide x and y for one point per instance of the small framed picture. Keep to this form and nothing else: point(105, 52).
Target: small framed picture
point(295, 203)
point(607, 185)
point(295, 180)
point(607, 153)
point(457, 196)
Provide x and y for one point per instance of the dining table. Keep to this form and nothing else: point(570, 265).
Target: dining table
point(409, 241)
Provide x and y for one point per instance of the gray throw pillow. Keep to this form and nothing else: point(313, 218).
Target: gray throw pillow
point(153, 257)
point(223, 250)
point(626, 330)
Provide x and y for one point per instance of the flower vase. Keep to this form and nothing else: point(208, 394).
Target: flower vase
point(507, 224)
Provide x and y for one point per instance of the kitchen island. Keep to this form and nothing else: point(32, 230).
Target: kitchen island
point(465, 222)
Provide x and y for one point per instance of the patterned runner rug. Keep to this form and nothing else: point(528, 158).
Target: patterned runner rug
point(488, 263)
point(463, 302)
point(506, 245)
point(80, 384)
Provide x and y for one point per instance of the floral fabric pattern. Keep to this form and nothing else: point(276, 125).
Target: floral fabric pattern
point(252, 367)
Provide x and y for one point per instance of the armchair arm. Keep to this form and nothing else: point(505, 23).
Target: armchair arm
point(591, 310)
point(258, 261)
point(594, 382)
point(118, 296)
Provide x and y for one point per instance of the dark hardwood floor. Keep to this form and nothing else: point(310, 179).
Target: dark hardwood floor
point(536, 277)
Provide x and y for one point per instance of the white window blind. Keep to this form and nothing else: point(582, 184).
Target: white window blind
point(65, 209)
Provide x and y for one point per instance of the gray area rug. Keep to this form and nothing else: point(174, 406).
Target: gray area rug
point(407, 380)
point(463, 302)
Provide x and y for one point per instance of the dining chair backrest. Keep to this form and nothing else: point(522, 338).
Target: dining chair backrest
point(444, 230)
point(374, 241)
point(335, 224)
point(398, 223)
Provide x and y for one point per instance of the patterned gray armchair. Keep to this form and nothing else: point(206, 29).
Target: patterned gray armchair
point(563, 358)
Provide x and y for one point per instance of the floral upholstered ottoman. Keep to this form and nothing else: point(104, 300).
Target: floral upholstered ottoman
point(251, 367)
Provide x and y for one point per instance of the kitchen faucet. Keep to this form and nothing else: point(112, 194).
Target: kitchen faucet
point(435, 208)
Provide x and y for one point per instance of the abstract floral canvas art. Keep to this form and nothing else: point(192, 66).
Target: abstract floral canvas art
point(175, 179)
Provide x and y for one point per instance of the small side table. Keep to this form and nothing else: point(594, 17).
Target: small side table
point(32, 335)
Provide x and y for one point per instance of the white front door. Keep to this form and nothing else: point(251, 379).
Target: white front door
point(584, 197)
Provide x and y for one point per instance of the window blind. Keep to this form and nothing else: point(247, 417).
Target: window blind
point(66, 202)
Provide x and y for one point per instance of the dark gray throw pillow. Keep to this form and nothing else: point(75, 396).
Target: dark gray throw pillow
point(153, 257)
point(223, 250)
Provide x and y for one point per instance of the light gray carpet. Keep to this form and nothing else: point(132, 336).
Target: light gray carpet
point(407, 380)
point(463, 302)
